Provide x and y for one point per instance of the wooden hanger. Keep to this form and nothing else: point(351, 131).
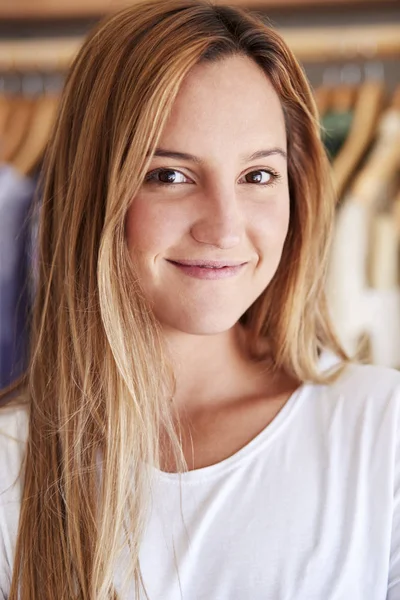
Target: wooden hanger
point(31, 151)
point(384, 252)
point(17, 124)
point(372, 183)
point(5, 108)
point(367, 109)
point(337, 121)
point(375, 189)
point(395, 104)
point(395, 212)
point(344, 97)
point(322, 95)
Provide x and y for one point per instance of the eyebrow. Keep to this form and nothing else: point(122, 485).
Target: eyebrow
point(244, 158)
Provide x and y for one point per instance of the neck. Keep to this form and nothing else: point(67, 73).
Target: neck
point(211, 368)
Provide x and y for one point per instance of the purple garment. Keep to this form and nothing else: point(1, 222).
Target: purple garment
point(16, 196)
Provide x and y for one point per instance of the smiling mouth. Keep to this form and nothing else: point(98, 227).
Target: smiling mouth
point(207, 264)
point(207, 270)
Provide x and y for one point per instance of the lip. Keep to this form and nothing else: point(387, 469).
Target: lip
point(218, 264)
point(208, 272)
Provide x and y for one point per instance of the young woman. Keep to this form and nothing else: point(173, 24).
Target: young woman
point(178, 433)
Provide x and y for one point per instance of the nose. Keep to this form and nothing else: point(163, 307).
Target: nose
point(221, 222)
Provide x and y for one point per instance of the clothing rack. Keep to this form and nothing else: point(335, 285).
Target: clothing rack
point(318, 45)
point(364, 284)
point(43, 54)
point(78, 9)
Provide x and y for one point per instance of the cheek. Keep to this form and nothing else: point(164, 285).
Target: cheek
point(149, 229)
point(271, 222)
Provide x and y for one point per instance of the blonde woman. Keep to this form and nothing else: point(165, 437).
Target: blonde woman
point(178, 433)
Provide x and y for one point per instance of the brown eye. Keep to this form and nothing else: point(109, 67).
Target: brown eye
point(262, 176)
point(165, 177)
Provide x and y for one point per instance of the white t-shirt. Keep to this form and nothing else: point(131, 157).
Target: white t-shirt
point(308, 510)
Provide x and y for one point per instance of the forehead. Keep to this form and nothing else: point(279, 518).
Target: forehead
point(229, 101)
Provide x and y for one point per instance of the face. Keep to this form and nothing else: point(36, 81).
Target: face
point(217, 190)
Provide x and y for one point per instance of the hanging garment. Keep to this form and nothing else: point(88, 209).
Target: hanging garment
point(360, 311)
point(16, 196)
point(347, 279)
point(362, 286)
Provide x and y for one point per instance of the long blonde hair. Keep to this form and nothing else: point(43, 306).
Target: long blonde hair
point(99, 378)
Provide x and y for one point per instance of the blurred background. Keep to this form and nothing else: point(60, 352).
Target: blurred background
point(350, 51)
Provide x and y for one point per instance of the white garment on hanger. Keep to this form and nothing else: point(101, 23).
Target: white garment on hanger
point(356, 308)
point(347, 278)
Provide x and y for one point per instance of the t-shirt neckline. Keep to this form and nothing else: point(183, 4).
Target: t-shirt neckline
point(265, 436)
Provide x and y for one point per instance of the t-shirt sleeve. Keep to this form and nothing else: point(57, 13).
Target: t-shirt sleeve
point(13, 435)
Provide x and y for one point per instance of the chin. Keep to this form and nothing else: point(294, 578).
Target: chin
point(201, 325)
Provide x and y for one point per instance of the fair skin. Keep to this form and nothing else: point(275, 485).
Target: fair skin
point(224, 206)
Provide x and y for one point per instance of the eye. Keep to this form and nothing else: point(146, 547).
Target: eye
point(262, 177)
point(166, 177)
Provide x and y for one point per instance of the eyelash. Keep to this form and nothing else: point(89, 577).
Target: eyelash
point(150, 177)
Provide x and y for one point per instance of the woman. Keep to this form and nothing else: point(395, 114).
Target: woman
point(176, 434)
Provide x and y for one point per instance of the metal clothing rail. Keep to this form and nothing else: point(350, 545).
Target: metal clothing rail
point(318, 45)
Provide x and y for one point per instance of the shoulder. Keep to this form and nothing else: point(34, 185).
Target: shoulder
point(367, 381)
point(361, 401)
